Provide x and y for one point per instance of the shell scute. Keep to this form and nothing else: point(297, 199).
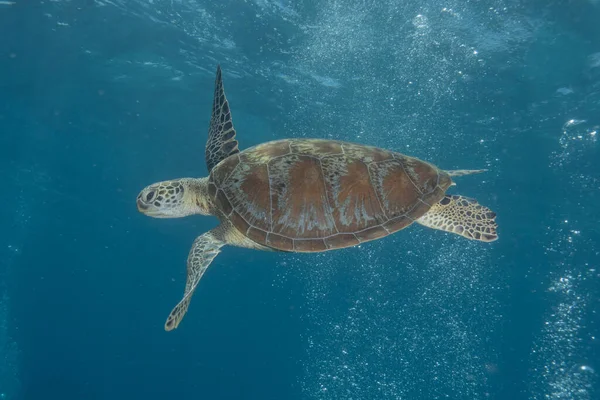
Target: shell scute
point(265, 152)
point(351, 194)
point(248, 190)
point(224, 169)
point(309, 245)
point(298, 198)
point(395, 189)
point(239, 222)
point(423, 175)
point(341, 240)
point(395, 224)
point(419, 209)
point(375, 232)
point(319, 147)
point(435, 195)
point(279, 242)
point(224, 203)
point(257, 235)
point(367, 154)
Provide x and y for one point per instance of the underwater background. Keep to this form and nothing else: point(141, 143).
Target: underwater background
point(100, 98)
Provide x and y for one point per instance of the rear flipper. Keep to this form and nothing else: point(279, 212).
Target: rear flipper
point(463, 216)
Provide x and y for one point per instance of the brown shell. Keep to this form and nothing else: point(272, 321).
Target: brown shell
point(316, 195)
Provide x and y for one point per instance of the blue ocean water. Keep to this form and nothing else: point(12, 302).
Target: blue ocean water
point(101, 98)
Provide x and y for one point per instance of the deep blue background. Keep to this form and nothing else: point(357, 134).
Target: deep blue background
point(99, 99)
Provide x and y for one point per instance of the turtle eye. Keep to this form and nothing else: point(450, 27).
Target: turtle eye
point(150, 195)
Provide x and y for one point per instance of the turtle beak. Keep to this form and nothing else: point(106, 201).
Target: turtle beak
point(141, 206)
point(149, 210)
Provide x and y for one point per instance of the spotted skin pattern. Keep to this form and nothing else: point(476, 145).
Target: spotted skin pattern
point(463, 216)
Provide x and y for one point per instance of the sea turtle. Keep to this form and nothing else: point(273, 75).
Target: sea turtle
point(306, 195)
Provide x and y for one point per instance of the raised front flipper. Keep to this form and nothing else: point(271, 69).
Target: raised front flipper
point(203, 251)
point(221, 134)
point(463, 216)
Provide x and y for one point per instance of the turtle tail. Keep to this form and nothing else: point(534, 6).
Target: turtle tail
point(461, 172)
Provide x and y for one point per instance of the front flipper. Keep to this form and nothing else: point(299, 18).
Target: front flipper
point(203, 251)
point(221, 134)
point(463, 216)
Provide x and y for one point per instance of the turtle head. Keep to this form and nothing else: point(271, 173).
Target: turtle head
point(174, 198)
